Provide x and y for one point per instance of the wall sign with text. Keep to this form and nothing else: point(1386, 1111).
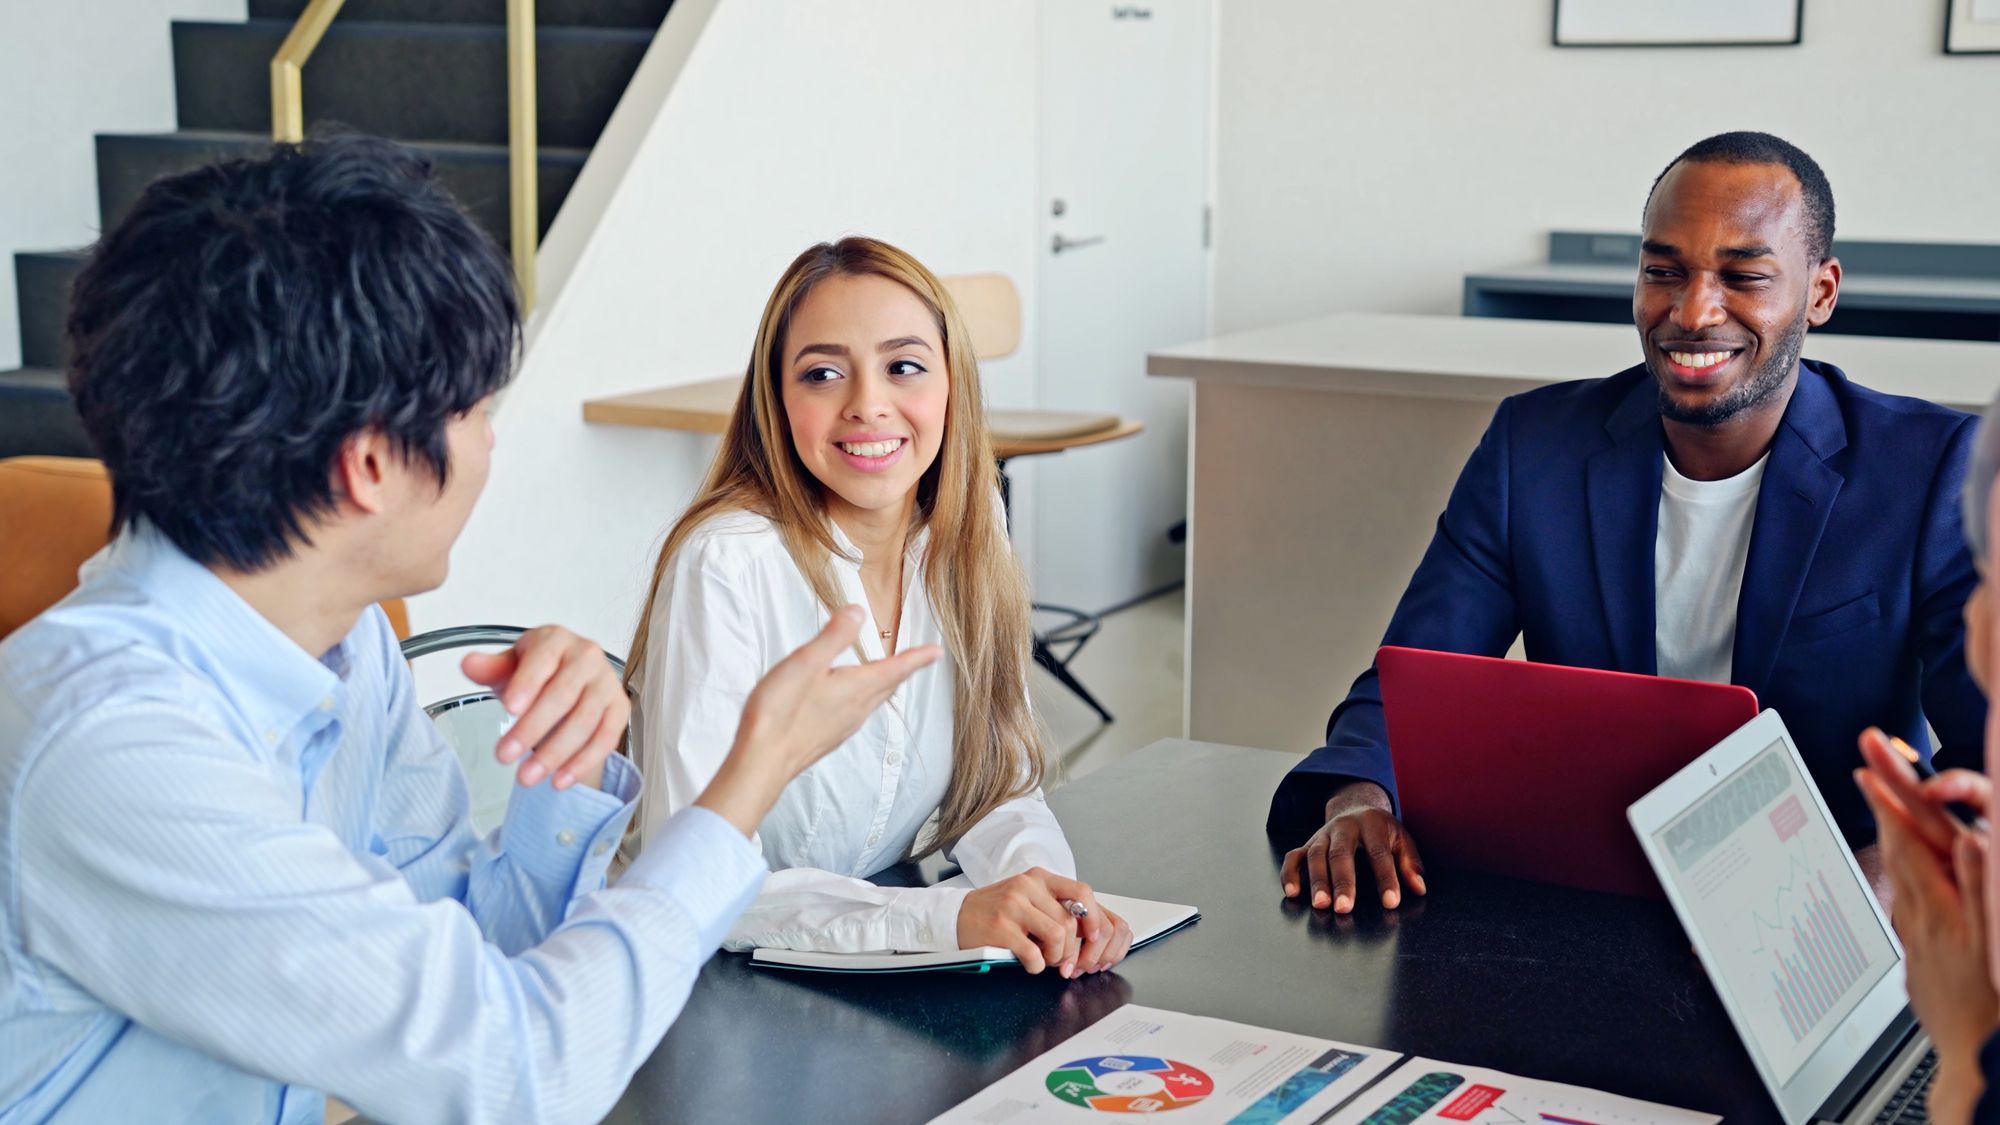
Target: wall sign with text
point(1682, 23)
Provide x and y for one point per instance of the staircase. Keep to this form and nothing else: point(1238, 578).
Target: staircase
point(432, 73)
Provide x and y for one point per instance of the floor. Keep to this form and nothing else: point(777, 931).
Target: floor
point(1133, 667)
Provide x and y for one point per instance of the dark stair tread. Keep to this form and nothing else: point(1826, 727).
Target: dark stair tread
point(33, 384)
point(475, 173)
point(36, 418)
point(41, 286)
point(392, 79)
point(458, 150)
point(548, 13)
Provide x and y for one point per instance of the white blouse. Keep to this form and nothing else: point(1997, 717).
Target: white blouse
point(730, 606)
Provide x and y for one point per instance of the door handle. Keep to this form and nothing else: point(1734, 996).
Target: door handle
point(1060, 244)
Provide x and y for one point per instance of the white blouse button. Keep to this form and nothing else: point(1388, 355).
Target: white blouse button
point(895, 758)
point(874, 838)
point(565, 838)
point(819, 940)
point(923, 935)
point(602, 847)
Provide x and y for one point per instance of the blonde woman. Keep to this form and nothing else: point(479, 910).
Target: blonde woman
point(857, 469)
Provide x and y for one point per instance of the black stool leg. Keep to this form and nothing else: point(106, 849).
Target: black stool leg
point(1044, 655)
point(1047, 659)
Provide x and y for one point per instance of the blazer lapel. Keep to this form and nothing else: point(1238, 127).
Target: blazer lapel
point(1622, 489)
point(1793, 505)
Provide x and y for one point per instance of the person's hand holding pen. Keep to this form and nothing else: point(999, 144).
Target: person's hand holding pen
point(1045, 920)
point(1936, 864)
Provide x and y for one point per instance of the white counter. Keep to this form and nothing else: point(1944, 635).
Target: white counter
point(1322, 452)
point(1485, 359)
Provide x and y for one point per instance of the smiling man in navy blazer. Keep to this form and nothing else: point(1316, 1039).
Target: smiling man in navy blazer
point(1724, 511)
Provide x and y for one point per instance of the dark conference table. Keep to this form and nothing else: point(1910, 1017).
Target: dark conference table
point(1574, 986)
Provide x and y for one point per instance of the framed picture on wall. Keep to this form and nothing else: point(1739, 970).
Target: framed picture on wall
point(1684, 23)
point(1971, 27)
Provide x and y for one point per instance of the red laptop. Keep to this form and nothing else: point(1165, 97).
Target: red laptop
point(1526, 769)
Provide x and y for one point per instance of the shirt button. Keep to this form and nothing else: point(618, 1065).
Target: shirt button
point(602, 847)
point(895, 757)
point(326, 704)
point(923, 935)
point(874, 838)
point(819, 940)
point(565, 837)
point(271, 737)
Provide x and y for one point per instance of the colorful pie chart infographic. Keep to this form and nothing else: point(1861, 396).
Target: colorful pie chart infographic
point(1129, 1084)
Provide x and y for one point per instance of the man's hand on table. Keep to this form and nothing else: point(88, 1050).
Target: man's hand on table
point(1357, 819)
point(570, 708)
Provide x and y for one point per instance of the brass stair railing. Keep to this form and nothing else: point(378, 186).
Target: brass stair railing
point(288, 118)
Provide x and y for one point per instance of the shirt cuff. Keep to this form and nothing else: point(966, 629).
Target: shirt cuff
point(705, 865)
point(568, 837)
point(934, 918)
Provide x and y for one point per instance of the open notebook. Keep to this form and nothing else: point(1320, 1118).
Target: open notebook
point(1150, 921)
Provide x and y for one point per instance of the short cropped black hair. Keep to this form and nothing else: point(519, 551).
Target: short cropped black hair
point(1763, 148)
point(245, 319)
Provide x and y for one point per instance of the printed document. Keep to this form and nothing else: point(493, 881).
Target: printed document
point(1206, 1071)
point(1424, 1090)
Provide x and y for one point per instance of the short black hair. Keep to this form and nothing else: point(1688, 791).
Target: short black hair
point(1762, 148)
point(245, 319)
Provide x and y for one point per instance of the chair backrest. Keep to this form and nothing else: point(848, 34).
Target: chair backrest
point(473, 722)
point(55, 512)
point(991, 307)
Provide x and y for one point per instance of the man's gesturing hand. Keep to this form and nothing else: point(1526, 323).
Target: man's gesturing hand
point(797, 714)
point(571, 708)
point(1357, 819)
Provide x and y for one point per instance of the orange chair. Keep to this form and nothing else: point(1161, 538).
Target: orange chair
point(55, 512)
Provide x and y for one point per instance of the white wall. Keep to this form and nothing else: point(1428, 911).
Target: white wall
point(1370, 154)
point(909, 120)
point(70, 69)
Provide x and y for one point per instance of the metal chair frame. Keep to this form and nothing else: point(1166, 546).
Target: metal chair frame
point(465, 636)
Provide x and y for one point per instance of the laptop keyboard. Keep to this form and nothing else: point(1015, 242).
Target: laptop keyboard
point(1908, 1105)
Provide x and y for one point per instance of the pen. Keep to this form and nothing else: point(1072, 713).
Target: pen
point(1959, 811)
point(1076, 909)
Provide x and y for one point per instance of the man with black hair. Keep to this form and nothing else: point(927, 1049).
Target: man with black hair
point(236, 861)
point(1724, 511)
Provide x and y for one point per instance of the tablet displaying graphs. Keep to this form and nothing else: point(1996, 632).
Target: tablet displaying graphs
point(1765, 879)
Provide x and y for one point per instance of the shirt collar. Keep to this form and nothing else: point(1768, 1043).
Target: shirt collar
point(263, 672)
point(850, 555)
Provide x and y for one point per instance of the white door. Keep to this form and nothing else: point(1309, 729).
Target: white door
point(1124, 174)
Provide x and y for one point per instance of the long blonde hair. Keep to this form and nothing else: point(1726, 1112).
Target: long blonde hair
point(974, 581)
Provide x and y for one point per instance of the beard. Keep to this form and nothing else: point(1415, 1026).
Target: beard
point(1761, 387)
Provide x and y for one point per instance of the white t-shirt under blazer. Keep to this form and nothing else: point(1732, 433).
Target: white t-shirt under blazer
point(731, 605)
point(1699, 553)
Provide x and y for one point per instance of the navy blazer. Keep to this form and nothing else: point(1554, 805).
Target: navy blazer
point(1850, 612)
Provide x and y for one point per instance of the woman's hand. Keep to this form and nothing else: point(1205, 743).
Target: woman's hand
point(1109, 944)
point(1940, 915)
point(1025, 915)
point(798, 713)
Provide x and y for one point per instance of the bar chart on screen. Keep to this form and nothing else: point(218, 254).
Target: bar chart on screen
point(1822, 959)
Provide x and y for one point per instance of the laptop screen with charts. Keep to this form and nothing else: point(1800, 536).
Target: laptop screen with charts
point(1526, 769)
point(1778, 911)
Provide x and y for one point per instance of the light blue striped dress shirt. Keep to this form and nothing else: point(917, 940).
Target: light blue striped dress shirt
point(233, 876)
